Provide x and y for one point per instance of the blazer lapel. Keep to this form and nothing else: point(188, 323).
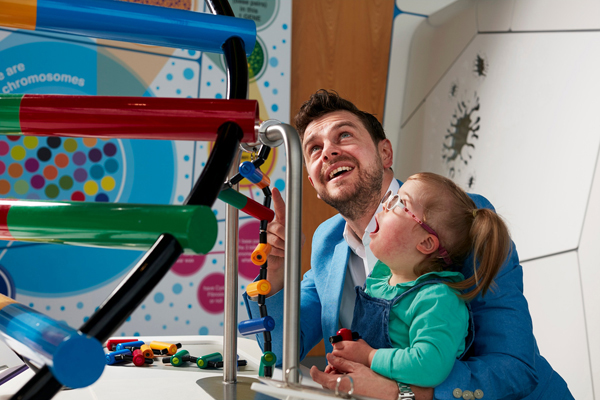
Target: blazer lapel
point(332, 297)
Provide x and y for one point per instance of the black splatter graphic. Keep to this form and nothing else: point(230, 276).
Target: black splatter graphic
point(480, 66)
point(453, 90)
point(471, 182)
point(464, 126)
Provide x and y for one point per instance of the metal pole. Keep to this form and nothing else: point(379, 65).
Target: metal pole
point(293, 246)
point(231, 287)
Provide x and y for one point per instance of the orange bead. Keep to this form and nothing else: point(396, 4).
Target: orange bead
point(259, 287)
point(147, 351)
point(260, 254)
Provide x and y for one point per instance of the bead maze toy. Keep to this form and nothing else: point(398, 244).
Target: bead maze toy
point(165, 232)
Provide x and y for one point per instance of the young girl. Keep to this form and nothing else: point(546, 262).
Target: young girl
point(412, 315)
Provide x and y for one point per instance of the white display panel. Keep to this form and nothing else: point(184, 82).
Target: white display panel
point(402, 31)
point(589, 265)
point(556, 15)
point(553, 291)
point(437, 42)
point(520, 125)
point(495, 16)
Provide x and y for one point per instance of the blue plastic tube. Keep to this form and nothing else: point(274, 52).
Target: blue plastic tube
point(265, 324)
point(123, 346)
point(74, 359)
point(139, 23)
point(249, 171)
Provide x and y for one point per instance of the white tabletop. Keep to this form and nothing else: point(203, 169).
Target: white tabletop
point(158, 380)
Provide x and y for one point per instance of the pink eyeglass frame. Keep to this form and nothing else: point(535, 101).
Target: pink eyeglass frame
point(387, 199)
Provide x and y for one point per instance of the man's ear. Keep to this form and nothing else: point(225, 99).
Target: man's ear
point(386, 152)
point(429, 244)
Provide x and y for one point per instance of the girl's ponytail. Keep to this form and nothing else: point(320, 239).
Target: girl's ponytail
point(491, 245)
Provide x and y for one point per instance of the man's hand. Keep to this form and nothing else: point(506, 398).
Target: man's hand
point(366, 381)
point(276, 238)
point(358, 351)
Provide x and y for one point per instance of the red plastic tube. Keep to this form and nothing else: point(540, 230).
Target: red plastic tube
point(247, 205)
point(124, 117)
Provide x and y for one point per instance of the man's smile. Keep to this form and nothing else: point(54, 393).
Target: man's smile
point(339, 171)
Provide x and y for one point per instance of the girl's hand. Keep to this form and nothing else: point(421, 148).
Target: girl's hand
point(358, 351)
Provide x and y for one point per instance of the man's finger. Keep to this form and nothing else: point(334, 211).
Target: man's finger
point(341, 364)
point(321, 378)
point(278, 206)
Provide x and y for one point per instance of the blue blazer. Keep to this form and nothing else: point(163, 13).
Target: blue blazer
point(504, 361)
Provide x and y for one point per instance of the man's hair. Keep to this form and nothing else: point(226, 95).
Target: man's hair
point(324, 102)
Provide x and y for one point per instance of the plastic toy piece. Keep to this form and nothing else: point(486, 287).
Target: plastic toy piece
point(124, 117)
point(74, 359)
point(219, 364)
point(170, 347)
point(247, 205)
point(128, 226)
point(259, 287)
point(117, 356)
point(129, 22)
point(344, 334)
point(139, 360)
point(202, 362)
point(257, 325)
point(178, 359)
point(267, 360)
point(130, 345)
point(260, 253)
point(254, 175)
point(147, 351)
point(111, 344)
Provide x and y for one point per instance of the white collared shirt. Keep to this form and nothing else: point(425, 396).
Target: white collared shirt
point(360, 264)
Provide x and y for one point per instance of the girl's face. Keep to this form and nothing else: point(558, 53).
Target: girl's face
point(397, 235)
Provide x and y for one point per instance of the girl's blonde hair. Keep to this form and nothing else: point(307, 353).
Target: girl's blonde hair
point(462, 229)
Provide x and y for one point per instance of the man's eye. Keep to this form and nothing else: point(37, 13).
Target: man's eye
point(314, 148)
point(345, 135)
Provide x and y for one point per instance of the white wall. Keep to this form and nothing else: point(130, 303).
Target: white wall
point(523, 75)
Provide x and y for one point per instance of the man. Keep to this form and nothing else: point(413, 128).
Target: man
point(349, 161)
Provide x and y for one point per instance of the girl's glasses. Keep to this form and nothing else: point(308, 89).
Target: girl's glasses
point(390, 202)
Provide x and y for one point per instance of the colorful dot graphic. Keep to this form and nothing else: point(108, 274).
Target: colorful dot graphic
point(53, 168)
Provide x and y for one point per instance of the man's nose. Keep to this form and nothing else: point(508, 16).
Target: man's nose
point(330, 151)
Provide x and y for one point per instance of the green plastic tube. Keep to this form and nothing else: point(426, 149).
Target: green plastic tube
point(123, 226)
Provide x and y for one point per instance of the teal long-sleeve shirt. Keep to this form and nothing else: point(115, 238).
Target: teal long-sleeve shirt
point(427, 328)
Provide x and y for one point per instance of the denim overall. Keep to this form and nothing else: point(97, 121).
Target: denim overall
point(372, 318)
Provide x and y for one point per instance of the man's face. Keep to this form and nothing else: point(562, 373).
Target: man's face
point(344, 165)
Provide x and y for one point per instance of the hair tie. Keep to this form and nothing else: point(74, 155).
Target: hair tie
point(474, 213)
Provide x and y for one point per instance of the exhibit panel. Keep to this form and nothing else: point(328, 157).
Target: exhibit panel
point(68, 283)
point(552, 286)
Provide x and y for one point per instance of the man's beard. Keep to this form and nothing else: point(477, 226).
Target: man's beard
point(353, 204)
